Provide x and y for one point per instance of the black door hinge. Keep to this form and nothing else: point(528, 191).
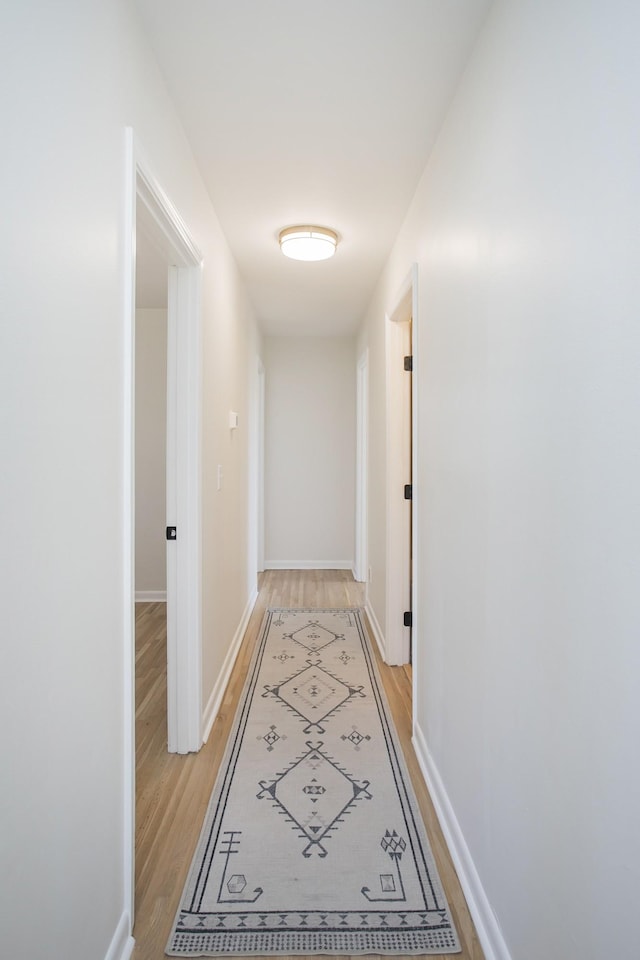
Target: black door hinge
point(408, 364)
point(172, 533)
point(408, 491)
point(408, 618)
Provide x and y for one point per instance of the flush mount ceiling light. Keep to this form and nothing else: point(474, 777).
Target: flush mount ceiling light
point(308, 243)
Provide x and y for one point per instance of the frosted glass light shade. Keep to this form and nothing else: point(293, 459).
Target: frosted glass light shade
point(308, 243)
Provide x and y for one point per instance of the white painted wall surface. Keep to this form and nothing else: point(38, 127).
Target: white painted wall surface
point(309, 451)
point(525, 229)
point(75, 74)
point(151, 444)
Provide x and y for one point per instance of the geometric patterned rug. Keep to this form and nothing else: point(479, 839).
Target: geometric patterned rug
point(313, 841)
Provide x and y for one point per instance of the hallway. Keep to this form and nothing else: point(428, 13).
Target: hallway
point(478, 161)
point(173, 790)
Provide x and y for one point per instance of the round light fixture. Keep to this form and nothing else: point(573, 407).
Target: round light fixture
point(308, 243)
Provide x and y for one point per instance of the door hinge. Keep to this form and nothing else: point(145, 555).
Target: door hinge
point(172, 533)
point(408, 491)
point(408, 618)
point(408, 364)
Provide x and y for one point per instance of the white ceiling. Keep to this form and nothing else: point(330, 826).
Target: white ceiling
point(311, 111)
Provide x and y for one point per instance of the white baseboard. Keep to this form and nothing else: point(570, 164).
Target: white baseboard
point(151, 596)
point(213, 704)
point(484, 918)
point(122, 943)
point(308, 565)
point(375, 627)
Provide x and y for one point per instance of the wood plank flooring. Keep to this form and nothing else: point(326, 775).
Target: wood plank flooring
point(172, 791)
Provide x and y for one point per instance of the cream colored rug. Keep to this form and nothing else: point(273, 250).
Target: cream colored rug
point(313, 841)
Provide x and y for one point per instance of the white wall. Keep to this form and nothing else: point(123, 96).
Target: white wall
point(525, 230)
point(151, 455)
point(75, 74)
point(309, 451)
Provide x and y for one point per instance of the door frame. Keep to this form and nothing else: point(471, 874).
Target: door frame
point(184, 556)
point(145, 197)
point(360, 571)
point(261, 395)
point(256, 474)
point(401, 537)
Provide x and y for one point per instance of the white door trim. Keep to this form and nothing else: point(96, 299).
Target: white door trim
point(128, 519)
point(400, 545)
point(256, 423)
point(260, 491)
point(184, 565)
point(362, 468)
point(143, 193)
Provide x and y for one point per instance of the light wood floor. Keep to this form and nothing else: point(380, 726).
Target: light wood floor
point(173, 791)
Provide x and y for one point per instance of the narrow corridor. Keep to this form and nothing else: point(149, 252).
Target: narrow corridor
point(173, 791)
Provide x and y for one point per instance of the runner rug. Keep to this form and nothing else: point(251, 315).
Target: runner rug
point(313, 841)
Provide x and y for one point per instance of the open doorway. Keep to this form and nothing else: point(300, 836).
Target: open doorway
point(401, 335)
point(152, 270)
point(152, 221)
point(361, 567)
point(256, 478)
point(160, 230)
point(150, 565)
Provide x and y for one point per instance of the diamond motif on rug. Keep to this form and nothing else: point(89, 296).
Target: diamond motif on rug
point(313, 636)
point(314, 794)
point(314, 694)
point(355, 737)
